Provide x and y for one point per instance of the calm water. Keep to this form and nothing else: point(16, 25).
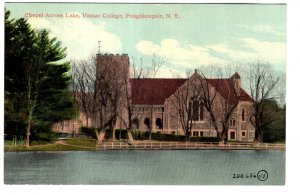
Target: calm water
point(143, 167)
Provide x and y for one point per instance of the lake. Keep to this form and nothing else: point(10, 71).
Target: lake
point(158, 167)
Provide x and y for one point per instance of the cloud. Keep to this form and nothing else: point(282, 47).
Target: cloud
point(231, 53)
point(243, 50)
point(273, 52)
point(165, 72)
point(264, 28)
point(80, 36)
point(182, 55)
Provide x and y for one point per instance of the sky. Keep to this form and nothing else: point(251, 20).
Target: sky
point(193, 36)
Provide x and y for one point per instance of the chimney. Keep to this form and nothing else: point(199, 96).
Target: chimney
point(237, 81)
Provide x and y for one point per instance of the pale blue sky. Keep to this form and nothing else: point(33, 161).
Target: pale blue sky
point(203, 34)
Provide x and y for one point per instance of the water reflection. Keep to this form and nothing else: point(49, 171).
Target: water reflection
point(142, 167)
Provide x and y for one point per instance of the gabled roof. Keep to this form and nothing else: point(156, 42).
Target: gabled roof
point(153, 91)
point(156, 91)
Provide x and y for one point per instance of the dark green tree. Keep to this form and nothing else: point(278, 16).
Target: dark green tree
point(36, 80)
point(273, 118)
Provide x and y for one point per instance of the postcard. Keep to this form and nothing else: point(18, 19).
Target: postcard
point(144, 94)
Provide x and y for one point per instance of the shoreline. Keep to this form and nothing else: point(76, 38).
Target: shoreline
point(90, 145)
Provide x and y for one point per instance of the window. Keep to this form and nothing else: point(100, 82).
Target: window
point(173, 132)
point(243, 114)
point(243, 134)
point(158, 123)
point(201, 133)
point(201, 111)
point(147, 122)
point(195, 133)
point(190, 111)
point(232, 122)
point(195, 112)
point(135, 123)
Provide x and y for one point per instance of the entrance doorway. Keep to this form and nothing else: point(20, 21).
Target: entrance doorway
point(232, 135)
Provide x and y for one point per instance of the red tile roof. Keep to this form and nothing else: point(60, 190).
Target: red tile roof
point(223, 86)
point(155, 91)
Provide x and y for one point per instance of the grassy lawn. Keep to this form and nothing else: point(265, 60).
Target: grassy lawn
point(81, 142)
point(72, 145)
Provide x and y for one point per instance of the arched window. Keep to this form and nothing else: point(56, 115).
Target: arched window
point(158, 123)
point(135, 123)
point(147, 122)
point(190, 110)
point(232, 122)
point(201, 111)
point(243, 114)
point(195, 112)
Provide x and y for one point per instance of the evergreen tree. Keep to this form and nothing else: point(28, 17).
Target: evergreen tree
point(273, 122)
point(36, 81)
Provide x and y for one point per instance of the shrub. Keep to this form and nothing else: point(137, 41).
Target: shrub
point(204, 139)
point(89, 131)
point(119, 134)
point(167, 137)
point(140, 135)
point(44, 136)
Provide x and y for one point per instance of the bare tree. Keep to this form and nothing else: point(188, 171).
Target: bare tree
point(229, 102)
point(83, 86)
point(99, 91)
point(220, 97)
point(33, 87)
point(262, 82)
point(139, 72)
point(104, 89)
point(109, 91)
point(157, 63)
point(134, 83)
point(181, 100)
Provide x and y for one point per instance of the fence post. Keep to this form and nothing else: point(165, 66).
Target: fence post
point(120, 145)
point(151, 145)
point(185, 145)
point(159, 145)
point(112, 145)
